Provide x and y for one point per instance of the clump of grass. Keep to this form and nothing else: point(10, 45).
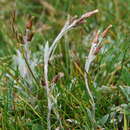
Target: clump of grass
point(47, 90)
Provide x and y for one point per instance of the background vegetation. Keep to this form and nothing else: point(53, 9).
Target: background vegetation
point(22, 107)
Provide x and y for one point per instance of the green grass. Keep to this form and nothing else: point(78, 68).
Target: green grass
point(25, 108)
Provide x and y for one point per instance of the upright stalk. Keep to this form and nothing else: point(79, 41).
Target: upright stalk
point(49, 52)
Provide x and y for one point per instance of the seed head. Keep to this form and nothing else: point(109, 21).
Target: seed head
point(106, 31)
